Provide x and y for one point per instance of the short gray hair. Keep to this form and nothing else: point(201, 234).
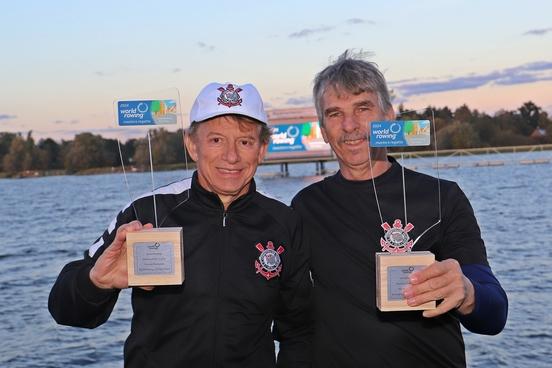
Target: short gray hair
point(264, 135)
point(351, 73)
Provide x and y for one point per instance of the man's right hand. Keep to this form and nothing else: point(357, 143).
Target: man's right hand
point(110, 270)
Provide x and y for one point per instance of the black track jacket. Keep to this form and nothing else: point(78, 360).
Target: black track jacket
point(221, 315)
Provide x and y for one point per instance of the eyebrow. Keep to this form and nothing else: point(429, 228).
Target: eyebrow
point(221, 134)
point(330, 110)
point(367, 103)
point(364, 103)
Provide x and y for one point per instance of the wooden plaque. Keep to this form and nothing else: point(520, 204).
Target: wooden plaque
point(155, 257)
point(392, 276)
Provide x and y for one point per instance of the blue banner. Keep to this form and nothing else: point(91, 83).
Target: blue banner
point(400, 133)
point(286, 138)
point(146, 112)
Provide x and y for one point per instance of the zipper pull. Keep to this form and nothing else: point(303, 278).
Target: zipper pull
point(224, 219)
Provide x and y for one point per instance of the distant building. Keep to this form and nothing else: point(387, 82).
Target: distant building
point(296, 135)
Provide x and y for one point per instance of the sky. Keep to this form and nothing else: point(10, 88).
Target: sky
point(64, 63)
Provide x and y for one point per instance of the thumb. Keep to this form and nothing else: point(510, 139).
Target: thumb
point(147, 226)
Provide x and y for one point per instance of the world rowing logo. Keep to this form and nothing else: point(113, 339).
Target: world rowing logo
point(269, 263)
point(229, 96)
point(396, 239)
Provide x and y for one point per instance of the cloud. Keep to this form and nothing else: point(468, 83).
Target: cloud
point(538, 32)
point(176, 70)
point(359, 21)
point(300, 101)
point(526, 73)
point(7, 117)
point(70, 122)
point(99, 73)
point(306, 32)
point(204, 46)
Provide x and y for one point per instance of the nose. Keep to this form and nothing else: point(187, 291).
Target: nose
point(231, 154)
point(350, 124)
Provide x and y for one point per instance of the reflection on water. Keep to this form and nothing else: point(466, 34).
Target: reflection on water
point(48, 222)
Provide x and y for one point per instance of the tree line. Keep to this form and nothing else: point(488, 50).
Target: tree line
point(87, 151)
point(461, 128)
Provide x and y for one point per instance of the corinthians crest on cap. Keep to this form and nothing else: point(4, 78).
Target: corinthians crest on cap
point(396, 239)
point(229, 96)
point(269, 263)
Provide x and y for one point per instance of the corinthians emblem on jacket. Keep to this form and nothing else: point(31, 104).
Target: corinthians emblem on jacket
point(229, 96)
point(269, 263)
point(396, 239)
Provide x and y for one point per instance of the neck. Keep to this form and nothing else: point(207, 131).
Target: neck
point(367, 170)
point(227, 199)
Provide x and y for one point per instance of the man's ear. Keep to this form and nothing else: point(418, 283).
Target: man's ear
point(191, 146)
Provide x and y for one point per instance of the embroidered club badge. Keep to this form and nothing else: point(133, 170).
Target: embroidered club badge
point(396, 239)
point(269, 263)
point(229, 96)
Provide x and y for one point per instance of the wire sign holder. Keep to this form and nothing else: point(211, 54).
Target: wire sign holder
point(154, 256)
point(398, 259)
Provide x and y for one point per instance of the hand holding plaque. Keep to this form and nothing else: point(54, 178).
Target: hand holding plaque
point(110, 270)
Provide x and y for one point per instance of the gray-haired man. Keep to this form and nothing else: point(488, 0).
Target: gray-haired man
point(344, 215)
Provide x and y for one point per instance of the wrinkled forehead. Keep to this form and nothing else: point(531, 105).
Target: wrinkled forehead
point(336, 94)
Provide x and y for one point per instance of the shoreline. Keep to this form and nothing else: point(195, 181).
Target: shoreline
point(284, 161)
point(28, 174)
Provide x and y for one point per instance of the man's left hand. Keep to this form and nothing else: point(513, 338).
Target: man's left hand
point(444, 281)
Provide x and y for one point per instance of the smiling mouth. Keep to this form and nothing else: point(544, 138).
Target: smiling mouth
point(356, 141)
point(229, 171)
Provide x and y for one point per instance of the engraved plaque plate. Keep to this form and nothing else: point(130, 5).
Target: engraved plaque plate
point(153, 258)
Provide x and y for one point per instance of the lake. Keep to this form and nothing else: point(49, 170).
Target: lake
point(52, 220)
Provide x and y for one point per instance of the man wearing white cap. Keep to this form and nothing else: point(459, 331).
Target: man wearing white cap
point(246, 265)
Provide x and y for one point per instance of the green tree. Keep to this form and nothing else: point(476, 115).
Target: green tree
point(5, 143)
point(30, 157)
point(49, 154)
point(111, 152)
point(85, 152)
point(166, 148)
point(530, 115)
point(12, 162)
point(486, 128)
point(458, 135)
point(463, 114)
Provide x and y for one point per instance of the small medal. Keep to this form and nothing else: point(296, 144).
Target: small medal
point(269, 263)
point(396, 239)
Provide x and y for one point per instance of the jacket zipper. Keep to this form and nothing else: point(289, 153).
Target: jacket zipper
point(220, 265)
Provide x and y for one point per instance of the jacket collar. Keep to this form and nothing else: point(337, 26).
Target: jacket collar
point(390, 174)
point(212, 200)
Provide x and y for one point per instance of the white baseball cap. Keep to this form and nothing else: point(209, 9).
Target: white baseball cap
point(217, 99)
